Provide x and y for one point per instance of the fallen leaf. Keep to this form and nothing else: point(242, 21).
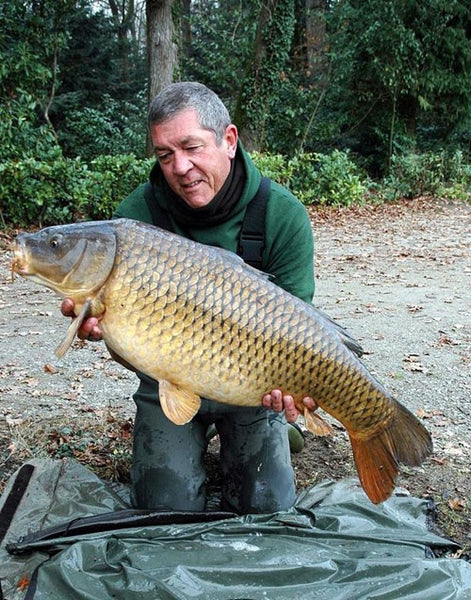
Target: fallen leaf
point(12, 422)
point(417, 369)
point(446, 340)
point(457, 504)
point(414, 307)
point(23, 583)
point(48, 368)
point(414, 365)
point(411, 358)
point(25, 333)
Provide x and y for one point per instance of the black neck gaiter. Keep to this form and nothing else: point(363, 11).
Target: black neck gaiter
point(220, 207)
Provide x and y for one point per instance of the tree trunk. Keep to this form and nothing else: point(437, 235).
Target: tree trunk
point(309, 52)
point(316, 37)
point(187, 38)
point(123, 15)
point(264, 70)
point(162, 52)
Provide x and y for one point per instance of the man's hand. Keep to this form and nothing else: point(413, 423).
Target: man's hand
point(277, 401)
point(90, 329)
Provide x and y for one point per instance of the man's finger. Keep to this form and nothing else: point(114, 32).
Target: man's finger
point(291, 412)
point(67, 307)
point(273, 400)
point(310, 403)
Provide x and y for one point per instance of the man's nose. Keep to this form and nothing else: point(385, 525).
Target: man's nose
point(181, 163)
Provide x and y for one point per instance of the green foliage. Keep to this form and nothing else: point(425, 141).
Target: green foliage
point(100, 106)
point(334, 181)
point(61, 190)
point(220, 41)
point(265, 68)
point(395, 68)
point(430, 174)
point(95, 61)
point(39, 193)
point(381, 79)
point(28, 39)
point(33, 192)
point(325, 179)
point(222, 55)
point(275, 166)
point(26, 43)
point(114, 128)
point(21, 134)
point(291, 114)
point(413, 175)
point(66, 80)
point(110, 180)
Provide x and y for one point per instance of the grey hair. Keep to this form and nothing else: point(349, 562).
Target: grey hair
point(210, 110)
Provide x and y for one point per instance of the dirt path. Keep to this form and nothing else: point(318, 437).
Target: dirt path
point(397, 276)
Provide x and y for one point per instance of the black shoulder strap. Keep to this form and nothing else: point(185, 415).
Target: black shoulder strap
point(159, 217)
point(252, 234)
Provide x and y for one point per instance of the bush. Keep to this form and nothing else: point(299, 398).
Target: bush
point(274, 166)
point(414, 175)
point(48, 193)
point(33, 192)
point(110, 180)
point(22, 133)
point(61, 190)
point(328, 179)
point(115, 128)
point(457, 176)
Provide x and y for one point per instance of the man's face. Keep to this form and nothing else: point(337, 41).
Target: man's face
point(193, 164)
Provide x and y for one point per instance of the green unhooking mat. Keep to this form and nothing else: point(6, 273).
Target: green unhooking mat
point(67, 535)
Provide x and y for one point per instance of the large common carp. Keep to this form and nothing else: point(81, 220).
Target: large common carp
point(204, 324)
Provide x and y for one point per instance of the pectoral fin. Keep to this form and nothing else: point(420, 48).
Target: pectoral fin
point(72, 330)
point(179, 405)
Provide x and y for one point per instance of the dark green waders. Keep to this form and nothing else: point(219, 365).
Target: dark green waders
point(168, 471)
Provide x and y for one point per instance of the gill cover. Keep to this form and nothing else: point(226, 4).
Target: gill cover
point(73, 260)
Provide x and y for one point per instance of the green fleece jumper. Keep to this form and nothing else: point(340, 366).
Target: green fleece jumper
point(288, 253)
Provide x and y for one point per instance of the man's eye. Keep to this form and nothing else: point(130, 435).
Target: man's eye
point(163, 157)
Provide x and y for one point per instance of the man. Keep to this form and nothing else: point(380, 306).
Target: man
point(201, 185)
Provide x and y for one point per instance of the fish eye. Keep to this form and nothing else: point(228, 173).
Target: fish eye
point(55, 241)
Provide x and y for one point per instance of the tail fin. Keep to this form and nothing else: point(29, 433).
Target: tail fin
point(405, 440)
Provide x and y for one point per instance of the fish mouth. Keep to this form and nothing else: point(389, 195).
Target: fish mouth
point(19, 263)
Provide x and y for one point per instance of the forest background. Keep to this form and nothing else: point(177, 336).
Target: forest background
point(343, 101)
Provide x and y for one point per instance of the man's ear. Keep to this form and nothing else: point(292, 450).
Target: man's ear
point(231, 136)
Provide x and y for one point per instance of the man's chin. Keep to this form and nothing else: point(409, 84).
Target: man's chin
point(196, 200)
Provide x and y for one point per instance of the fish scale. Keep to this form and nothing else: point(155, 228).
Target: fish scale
point(204, 324)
